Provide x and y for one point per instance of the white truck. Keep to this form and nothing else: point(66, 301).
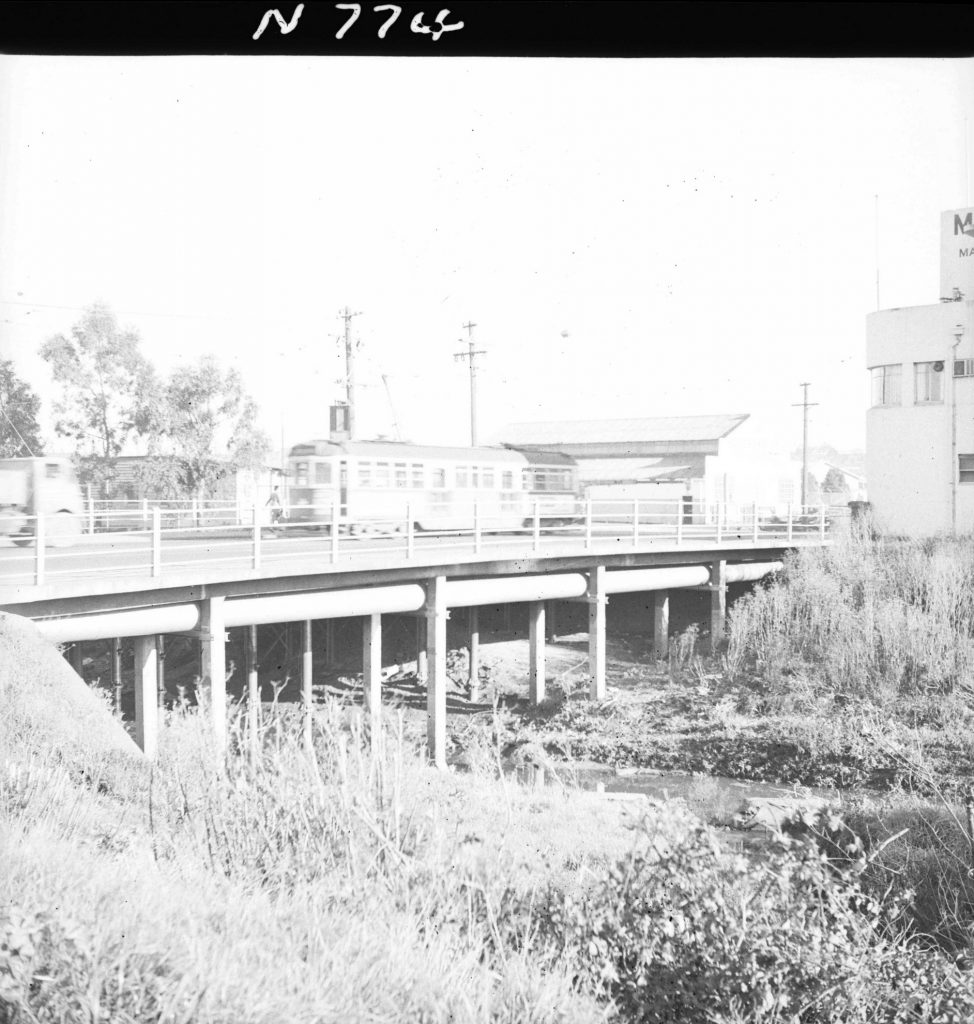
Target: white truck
point(44, 486)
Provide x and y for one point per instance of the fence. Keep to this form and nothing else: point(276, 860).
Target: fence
point(158, 540)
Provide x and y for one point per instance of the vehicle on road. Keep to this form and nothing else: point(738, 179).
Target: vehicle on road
point(382, 486)
point(40, 487)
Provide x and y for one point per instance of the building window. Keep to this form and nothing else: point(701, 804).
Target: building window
point(301, 474)
point(322, 472)
point(886, 384)
point(964, 367)
point(928, 382)
point(965, 469)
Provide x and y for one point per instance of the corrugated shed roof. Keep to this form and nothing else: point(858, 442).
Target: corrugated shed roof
point(656, 428)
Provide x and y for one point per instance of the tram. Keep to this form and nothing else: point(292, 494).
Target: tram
point(377, 486)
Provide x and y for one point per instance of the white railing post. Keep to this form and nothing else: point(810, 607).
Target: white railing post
point(588, 522)
point(38, 550)
point(635, 522)
point(410, 533)
point(821, 523)
point(718, 533)
point(255, 524)
point(145, 511)
point(91, 518)
point(334, 531)
point(754, 523)
point(790, 523)
point(476, 528)
point(537, 526)
point(156, 542)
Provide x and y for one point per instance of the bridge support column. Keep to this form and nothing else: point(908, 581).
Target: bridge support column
point(372, 671)
point(536, 647)
point(307, 682)
point(161, 647)
point(117, 674)
point(422, 665)
point(436, 619)
point(661, 623)
point(474, 648)
point(550, 625)
point(253, 688)
point(214, 667)
point(597, 600)
point(718, 603)
point(146, 699)
point(330, 652)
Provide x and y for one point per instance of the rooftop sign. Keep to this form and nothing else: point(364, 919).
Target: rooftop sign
point(957, 253)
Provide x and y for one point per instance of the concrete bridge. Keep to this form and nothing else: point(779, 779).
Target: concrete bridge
point(163, 579)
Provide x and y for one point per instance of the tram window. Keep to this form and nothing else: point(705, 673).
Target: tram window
point(365, 474)
point(487, 478)
point(52, 470)
point(461, 476)
point(418, 476)
point(322, 472)
point(301, 474)
point(439, 476)
point(401, 478)
point(507, 480)
point(474, 476)
point(382, 474)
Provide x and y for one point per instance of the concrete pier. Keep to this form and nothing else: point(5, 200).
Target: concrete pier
point(536, 647)
point(718, 603)
point(661, 623)
point(473, 647)
point(146, 703)
point(597, 600)
point(372, 668)
point(307, 682)
point(436, 619)
point(214, 665)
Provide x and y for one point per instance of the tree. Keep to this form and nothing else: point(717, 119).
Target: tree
point(834, 482)
point(20, 435)
point(103, 376)
point(202, 427)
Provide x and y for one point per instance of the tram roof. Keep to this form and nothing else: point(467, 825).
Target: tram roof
point(403, 450)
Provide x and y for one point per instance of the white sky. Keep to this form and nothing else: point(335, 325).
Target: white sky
point(632, 237)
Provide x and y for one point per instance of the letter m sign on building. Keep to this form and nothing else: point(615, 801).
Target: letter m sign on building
point(957, 253)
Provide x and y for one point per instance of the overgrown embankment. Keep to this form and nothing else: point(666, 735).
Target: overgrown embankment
point(350, 882)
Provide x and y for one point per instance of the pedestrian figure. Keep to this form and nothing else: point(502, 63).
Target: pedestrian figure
point(274, 502)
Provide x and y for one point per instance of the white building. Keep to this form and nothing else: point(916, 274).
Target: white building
point(920, 426)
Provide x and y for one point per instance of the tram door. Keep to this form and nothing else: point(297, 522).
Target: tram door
point(343, 488)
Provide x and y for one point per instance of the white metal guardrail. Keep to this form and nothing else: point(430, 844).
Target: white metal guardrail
point(160, 540)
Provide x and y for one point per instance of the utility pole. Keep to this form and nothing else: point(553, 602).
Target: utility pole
point(805, 404)
point(471, 354)
point(349, 370)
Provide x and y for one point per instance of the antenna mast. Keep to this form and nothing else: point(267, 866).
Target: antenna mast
point(471, 354)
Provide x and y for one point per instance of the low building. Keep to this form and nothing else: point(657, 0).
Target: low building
point(693, 459)
point(920, 425)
